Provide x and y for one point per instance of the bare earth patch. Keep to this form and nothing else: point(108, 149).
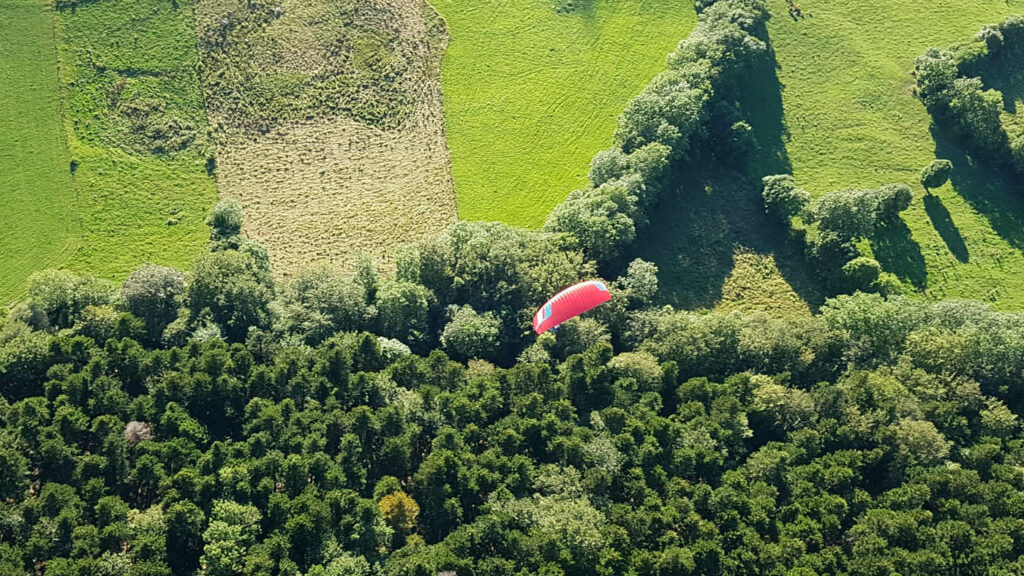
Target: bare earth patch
point(322, 189)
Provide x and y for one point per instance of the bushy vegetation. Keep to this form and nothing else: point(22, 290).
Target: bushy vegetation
point(275, 429)
point(532, 90)
point(667, 121)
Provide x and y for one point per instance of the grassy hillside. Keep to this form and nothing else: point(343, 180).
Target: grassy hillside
point(138, 132)
point(853, 122)
point(531, 94)
point(37, 224)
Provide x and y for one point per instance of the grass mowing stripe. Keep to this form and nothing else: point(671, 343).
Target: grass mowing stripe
point(532, 94)
point(37, 217)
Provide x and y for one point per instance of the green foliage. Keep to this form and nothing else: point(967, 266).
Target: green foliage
point(471, 335)
point(154, 294)
point(234, 289)
point(936, 173)
point(225, 219)
point(404, 310)
point(59, 296)
point(781, 196)
point(861, 273)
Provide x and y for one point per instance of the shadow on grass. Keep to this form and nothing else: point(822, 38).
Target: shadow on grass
point(709, 212)
point(900, 254)
point(943, 223)
point(992, 191)
point(761, 101)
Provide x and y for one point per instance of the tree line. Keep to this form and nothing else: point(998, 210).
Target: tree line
point(949, 84)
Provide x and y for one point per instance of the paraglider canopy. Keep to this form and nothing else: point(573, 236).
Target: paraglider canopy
point(569, 303)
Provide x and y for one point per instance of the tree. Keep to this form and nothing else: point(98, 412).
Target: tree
point(935, 174)
point(225, 219)
point(893, 199)
point(233, 529)
point(861, 273)
point(234, 289)
point(781, 196)
point(317, 304)
point(184, 537)
point(13, 474)
point(976, 115)
point(848, 214)
point(154, 294)
point(936, 71)
point(404, 309)
point(919, 443)
point(400, 511)
point(471, 335)
point(61, 295)
point(640, 282)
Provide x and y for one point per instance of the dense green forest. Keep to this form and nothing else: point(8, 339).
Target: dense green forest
point(218, 423)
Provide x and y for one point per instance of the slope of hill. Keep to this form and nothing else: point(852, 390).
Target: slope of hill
point(531, 93)
point(38, 228)
point(853, 121)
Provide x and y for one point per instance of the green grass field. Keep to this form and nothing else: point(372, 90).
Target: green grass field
point(137, 129)
point(37, 221)
point(839, 112)
point(853, 122)
point(532, 94)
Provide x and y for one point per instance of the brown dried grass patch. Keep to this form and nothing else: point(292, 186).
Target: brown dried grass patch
point(322, 190)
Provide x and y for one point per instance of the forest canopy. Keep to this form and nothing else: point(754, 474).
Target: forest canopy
point(219, 422)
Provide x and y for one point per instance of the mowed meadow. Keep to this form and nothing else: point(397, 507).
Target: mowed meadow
point(38, 227)
point(532, 92)
point(137, 131)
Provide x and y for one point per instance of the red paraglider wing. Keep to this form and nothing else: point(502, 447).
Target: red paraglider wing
point(569, 303)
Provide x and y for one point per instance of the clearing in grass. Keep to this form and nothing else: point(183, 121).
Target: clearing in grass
point(38, 228)
point(137, 132)
point(328, 124)
point(533, 88)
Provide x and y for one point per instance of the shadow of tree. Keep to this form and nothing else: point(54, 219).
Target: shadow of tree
point(993, 191)
point(763, 109)
point(709, 212)
point(899, 254)
point(943, 223)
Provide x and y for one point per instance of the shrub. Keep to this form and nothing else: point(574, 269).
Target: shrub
point(861, 273)
point(781, 196)
point(893, 199)
point(936, 173)
point(471, 335)
point(225, 219)
point(57, 297)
